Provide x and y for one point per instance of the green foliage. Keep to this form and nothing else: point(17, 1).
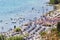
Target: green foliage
point(18, 29)
point(21, 37)
point(54, 29)
point(54, 1)
point(2, 37)
point(42, 33)
point(59, 1)
point(16, 38)
point(59, 34)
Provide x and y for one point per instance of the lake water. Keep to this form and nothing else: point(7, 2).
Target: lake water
point(14, 9)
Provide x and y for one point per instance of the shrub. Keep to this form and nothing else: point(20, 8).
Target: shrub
point(16, 38)
point(59, 34)
point(59, 1)
point(54, 1)
point(54, 29)
point(2, 37)
point(18, 29)
point(43, 33)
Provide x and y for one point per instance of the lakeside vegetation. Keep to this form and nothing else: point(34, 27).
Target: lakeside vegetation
point(17, 29)
point(54, 1)
point(21, 37)
point(54, 33)
point(2, 37)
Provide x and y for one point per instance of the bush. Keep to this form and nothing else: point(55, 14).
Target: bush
point(59, 34)
point(2, 37)
point(17, 29)
point(43, 33)
point(59, 1)
point(54, 1)
point(54, 29)
point(16, 38)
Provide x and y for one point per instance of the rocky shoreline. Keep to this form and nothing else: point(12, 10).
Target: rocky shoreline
point(46, 22)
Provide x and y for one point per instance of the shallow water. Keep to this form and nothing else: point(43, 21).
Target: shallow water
point(27, 9)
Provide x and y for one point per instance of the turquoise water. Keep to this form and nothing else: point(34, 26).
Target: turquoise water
point(20, 8)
